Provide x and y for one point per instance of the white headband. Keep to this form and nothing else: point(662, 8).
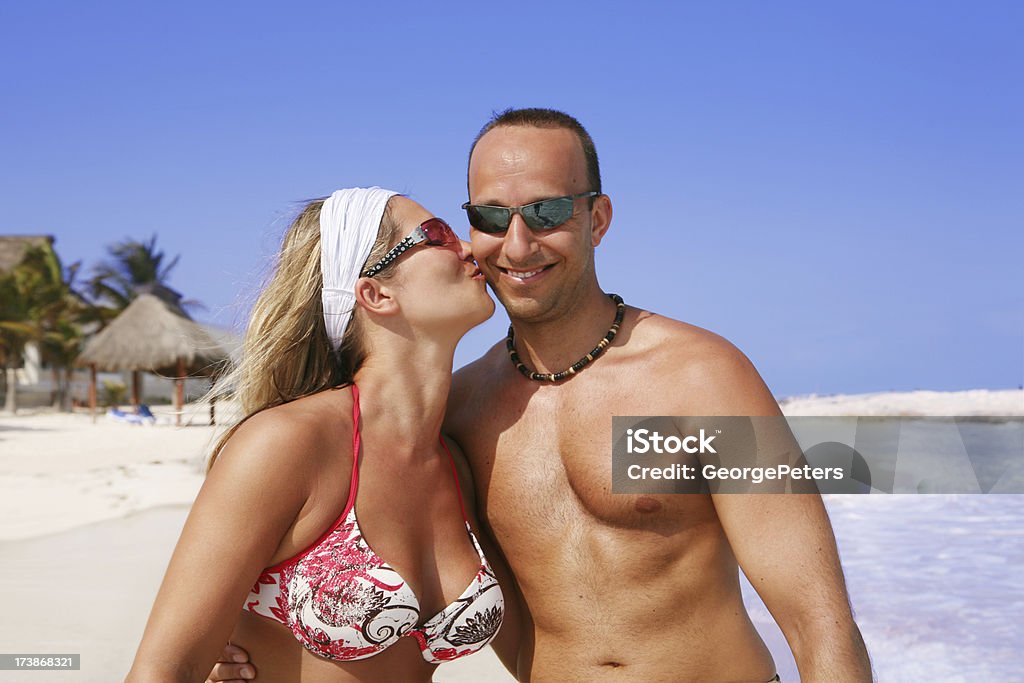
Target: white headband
point(349, 222)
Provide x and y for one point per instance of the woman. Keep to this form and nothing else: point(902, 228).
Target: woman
point(345, 375)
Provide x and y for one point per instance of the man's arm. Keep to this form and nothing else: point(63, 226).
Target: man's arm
point(785, 546)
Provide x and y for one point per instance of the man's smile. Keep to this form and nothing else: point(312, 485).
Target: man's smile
point(523, 275)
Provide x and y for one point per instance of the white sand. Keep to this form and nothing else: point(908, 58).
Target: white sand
point(911, 403)
point(58, 471)
point(86, 591)
point(89, 514)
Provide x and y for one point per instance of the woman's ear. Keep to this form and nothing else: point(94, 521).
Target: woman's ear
point(375, 296)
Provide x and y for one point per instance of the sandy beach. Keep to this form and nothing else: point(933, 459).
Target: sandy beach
point(90, 513)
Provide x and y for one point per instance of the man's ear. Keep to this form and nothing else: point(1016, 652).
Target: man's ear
point(375, 296)
point(601, 218)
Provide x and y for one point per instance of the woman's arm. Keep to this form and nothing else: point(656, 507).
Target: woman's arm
point(248, 502)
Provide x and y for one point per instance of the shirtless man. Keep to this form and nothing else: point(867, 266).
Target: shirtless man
point(621, 587)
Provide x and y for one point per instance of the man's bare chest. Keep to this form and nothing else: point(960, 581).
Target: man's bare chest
point(544, 461)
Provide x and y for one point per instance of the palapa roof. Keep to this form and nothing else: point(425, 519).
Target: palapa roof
point(13, 248)
point(152, 334)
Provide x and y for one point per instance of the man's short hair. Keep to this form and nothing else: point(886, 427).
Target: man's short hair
point(548, 118)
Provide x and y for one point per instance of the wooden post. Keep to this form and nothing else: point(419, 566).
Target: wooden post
point(136, 388)
point(92, 391)
point(179, 391)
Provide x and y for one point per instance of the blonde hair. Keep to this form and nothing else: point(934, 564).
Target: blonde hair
point(286, 353)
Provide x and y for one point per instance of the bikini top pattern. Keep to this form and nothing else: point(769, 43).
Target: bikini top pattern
point(342, 601)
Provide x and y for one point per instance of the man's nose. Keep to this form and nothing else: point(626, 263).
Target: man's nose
point(519, 242)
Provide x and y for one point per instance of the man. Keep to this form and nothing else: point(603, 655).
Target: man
point(619, 587)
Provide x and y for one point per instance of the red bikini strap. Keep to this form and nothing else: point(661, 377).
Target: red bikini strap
point(354, 485)
point(455, 473)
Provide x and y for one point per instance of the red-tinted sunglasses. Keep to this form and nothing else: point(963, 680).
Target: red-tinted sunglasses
point(434, 231)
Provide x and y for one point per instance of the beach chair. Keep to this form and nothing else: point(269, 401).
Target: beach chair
point(145, 414)
point(118, 415)
point(141, 416)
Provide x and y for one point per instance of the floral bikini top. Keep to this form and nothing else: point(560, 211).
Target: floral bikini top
point(342, 601)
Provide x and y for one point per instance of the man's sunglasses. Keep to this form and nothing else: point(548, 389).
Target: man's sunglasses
point(434, 231)
point(546, 214)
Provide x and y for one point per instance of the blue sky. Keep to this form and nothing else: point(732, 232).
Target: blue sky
point(836, 188)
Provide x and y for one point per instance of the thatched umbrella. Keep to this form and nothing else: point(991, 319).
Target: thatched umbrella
point(157, 336)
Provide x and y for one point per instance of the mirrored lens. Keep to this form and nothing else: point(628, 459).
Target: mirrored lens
point(488, 218)
point(548, 214)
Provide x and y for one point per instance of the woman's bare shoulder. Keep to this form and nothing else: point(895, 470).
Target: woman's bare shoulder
point(292, 434)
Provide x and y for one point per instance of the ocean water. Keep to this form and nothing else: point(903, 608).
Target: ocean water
point(936, 583)
point(916, 454)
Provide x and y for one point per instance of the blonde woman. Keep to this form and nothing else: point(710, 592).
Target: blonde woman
point(351, 554)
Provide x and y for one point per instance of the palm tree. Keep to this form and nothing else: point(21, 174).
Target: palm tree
point(41, 306)
point(15, 332)
point(59, 315)
point(133, 267)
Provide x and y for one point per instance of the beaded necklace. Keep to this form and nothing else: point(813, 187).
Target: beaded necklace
point(510, 344)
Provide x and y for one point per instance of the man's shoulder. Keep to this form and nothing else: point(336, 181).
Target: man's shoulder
point(680, 341)
point(682, 354)
point(481, 369)
point(469, 380)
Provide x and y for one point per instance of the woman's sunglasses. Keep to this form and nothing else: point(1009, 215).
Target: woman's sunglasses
point(546, 214)
point(434, 231)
